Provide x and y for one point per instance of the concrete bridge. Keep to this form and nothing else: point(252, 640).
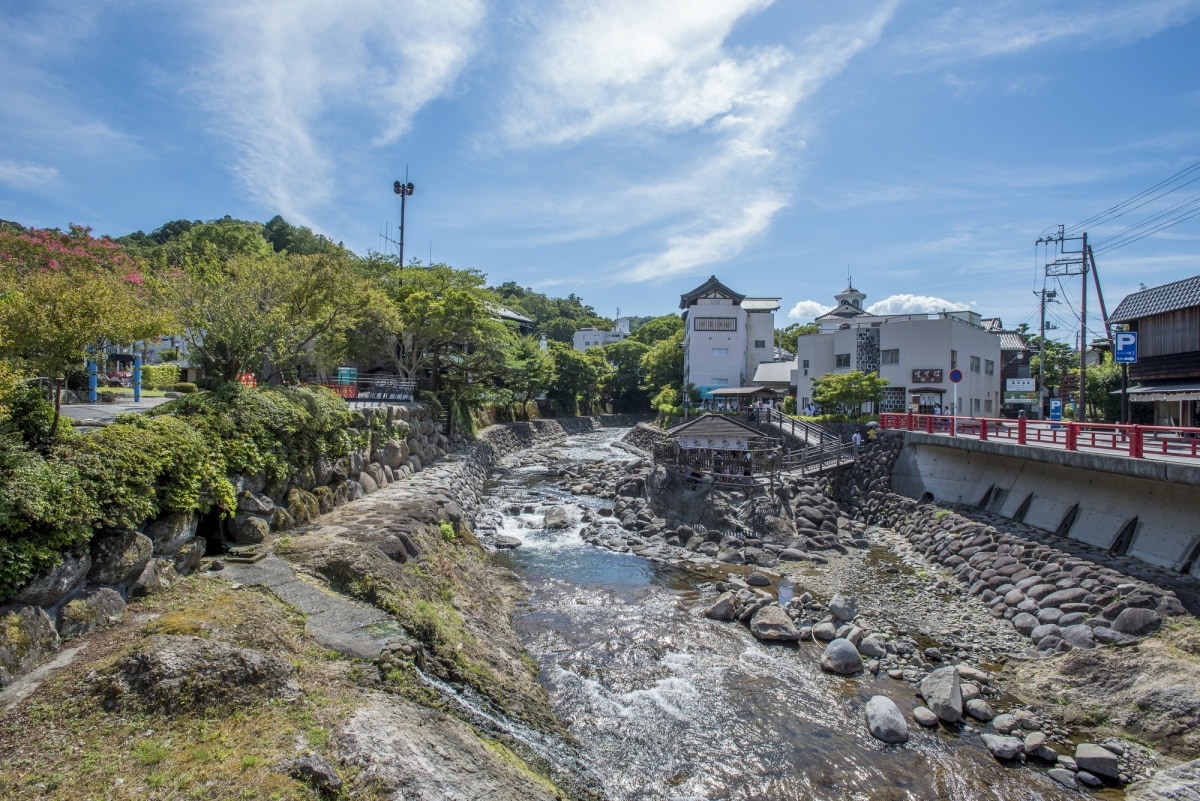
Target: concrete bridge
point(1129, 490)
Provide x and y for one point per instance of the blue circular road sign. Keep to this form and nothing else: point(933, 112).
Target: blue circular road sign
point(956, 375)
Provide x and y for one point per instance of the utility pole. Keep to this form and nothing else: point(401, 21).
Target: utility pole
point(404, 190)
point(1072, 262)
point(1045, 295)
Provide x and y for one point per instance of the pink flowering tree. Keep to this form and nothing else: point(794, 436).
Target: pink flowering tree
point(63, 294)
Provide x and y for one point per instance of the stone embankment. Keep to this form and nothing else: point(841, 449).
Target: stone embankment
point(92, 588)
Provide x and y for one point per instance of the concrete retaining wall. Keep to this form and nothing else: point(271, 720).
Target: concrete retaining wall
point(1105, 496)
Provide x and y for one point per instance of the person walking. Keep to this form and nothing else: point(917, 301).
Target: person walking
point(857, 440)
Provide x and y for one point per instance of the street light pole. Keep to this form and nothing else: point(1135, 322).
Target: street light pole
point(404, 190)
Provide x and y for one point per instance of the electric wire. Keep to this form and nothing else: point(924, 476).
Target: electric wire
point(1120, 209)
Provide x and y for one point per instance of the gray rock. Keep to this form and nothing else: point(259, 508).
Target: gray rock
point(246, 529)
point(556, 517)
point(27, 636)
point(89, 610)
point(1180, 783)
point(1001, 746)
point(1097, 759)
point(842, 657)
point(1079, 636)
point(56, 583)
point(368, 482)
point(180, 675)
point(772, 623)
point(884, 720)
point(1064, 777)
point(505, 542)
point(254, 504)
point(157, 575)
point(1045, 630)
point(873, 647)
point(824, 631)
point(943, 694)
point(924, 715)
point(1034, 741)
point(119, 556)
point(1083, 777)
point(171, 531)
point(316, 771)
point(757, 579)
point(1025, 623)
point(1137, 622)
point(189, 556)
point(844, 608)
point(979, 709)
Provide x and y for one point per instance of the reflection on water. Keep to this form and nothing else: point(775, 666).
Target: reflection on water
point(667, 704)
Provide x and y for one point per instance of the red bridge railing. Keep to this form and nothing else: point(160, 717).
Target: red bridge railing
point(1134, 441)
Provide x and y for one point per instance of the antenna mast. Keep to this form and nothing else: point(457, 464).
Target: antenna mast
point(404, 190)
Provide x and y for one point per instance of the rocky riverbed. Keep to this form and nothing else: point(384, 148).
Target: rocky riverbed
point(1069, 664)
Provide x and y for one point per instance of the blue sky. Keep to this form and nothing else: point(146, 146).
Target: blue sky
point(625, 150)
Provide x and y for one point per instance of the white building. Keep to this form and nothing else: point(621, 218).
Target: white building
point(726, 336)
point(916, 353)
point(596, 338)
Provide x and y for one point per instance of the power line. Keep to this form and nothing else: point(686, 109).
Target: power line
point(1120, 209)
point(1182, 212)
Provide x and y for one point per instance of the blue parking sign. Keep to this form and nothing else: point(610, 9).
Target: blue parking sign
point(1125, 351)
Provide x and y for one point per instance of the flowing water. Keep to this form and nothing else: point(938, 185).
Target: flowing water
point(666, 704)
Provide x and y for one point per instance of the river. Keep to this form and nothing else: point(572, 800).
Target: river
point(667, 704)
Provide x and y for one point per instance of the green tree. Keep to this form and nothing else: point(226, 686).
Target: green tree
point(662, 365)
point(848, 391)
point(658, 329)
point(625, 385)
point(1061, 362)
point(1103, 380)
point(66, 294)
point(575, 375)
point(786, 337)
point(530, 370)
point(296, 240)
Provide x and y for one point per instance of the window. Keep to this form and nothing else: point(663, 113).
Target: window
point(987, 405)
point(974, 364)
point(989, 367)
point(714, 324)
point(953, 359)
point(760, 343)
point(841, 360)
point(721, 382)
point(890, 356)
point(806, 366)
point(720, 351)
point(975, 405)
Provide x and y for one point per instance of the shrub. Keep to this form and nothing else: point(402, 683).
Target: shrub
point(789, 405)
point(26, 415)
point(159, 376)
point(184, 387)
point(44, 509)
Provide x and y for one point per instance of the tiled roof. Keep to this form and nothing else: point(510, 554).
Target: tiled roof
point(1011, 340)
point(713, 425)
point(1158, 300)
point(711, 285)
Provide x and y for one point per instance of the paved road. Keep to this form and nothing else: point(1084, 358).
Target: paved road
point(100, 414)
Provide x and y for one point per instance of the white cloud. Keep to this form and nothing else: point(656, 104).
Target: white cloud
point(808, 310)
point(715, 124)
point(281, 75)
point(23, 175)
point(1008, 26)
point(916, 304)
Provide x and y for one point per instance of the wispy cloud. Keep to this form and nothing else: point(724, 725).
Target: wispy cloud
point(999, 27)
point(717, 124)
point(23, 175)
point(279, 75)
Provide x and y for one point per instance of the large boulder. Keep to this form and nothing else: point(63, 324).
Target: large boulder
point(844, 608)
point(88, 610)
point(1003, 747)
point(884, 720)
point(119, 556)
point(942, 692)
point(27, 636)
point(1137, 622)
point(1180, 783)
point(181, 675)
point(724, 608)
point(303, 505)
point(556, 517)
point(1098, 760)
point(841, 657)
point(158, 574)
point(247, 529)
point(772, 623)
point(56, 583)
point(170, 531)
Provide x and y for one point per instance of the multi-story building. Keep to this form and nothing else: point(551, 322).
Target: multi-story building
point(726, 336)
point(1020, 395)
point(597, 338)
point(916, 353)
